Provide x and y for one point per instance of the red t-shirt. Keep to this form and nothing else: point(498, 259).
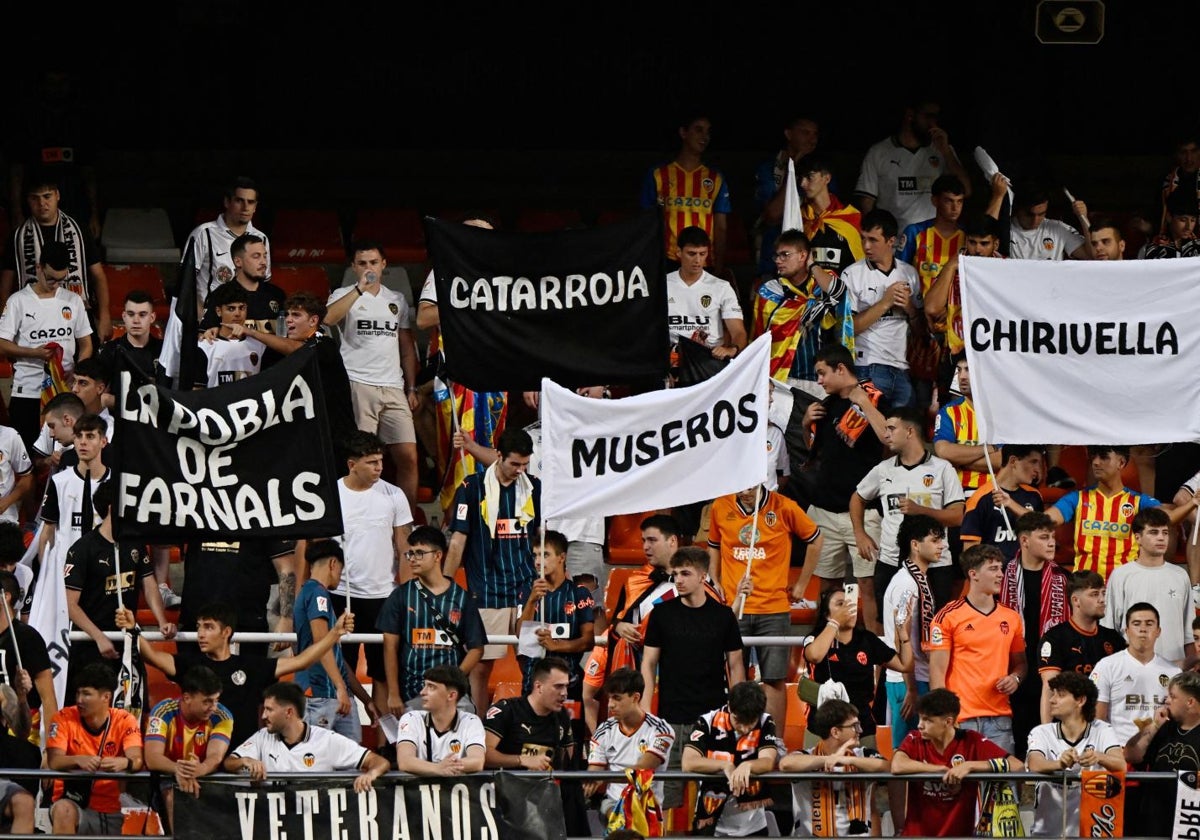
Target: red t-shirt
point(934, 808)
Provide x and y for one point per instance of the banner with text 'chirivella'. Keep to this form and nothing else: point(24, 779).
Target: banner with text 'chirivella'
point(656, 450)
point(581, 307)
point(1083, 352)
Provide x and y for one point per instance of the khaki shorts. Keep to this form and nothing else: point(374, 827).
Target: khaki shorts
point(498, 622)
point(839, 547)
point(384, 411)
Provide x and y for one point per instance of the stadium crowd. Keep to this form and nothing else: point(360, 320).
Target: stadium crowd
point(944, 631)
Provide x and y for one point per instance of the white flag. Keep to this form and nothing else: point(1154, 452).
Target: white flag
point(657, 450)
point(48, 613)
point(792, 220)
point(1083, 352)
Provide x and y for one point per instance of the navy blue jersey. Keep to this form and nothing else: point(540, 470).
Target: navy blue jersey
point(499, 565)
point(572, 605)
point(314, 602)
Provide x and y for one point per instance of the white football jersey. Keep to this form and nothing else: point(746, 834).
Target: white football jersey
point(318, 750)
point(699, 311)
point(611, 748)
point(900, 180)
point(1132, 690)
point(933, 483)
point(230, 360)
point(1048, 740)
point(417, 728)
point(14, 463)
point(1051, 240)
point(370, 349)
point(31, 321)
point(886, 341)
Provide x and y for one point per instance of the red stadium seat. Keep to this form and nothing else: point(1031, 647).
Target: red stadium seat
point(738, 249)
point(301, 278)
point(399, 230)
point(609, 217)
point(307, 236)
point(546, 221)
point(123, 279)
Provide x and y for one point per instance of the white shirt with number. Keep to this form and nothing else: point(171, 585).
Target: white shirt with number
point(900, 180)
point(370, 349)
point(613, 749)
point(932, 483)
point(1132, 690)
point(417, 728)
point(1051, 240)
point(699, 311)
point(886, 341)
point(370, 517)
point(31, 321)
point(1048, 740)
point(318, 750)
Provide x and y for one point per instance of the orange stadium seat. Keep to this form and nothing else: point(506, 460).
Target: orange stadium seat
point(506, 670)
point(301, 278)
point(158, 685)
point(883, 741)
point(307, 236)
point(399, 230)
point(545, 221)
point(123, 279)
point(796, 719)
point(616, 582)
point(812, 593)
point(625, 539)
point(505, 690)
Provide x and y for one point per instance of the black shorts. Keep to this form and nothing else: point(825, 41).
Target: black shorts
point(366, 613)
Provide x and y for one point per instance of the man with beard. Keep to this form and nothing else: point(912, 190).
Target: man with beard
point(898, 172)
point(264, 300)
point(1169, 743)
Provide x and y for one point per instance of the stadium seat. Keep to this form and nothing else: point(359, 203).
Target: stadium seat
point(158, 685)
point(301, 278)
point(616, 582)
point(138, 235)
point(505, 690)
point(506, 670)
point(307, 236)
point(399, 230)
point(625, 539)
point(123, 279)
point(883, 741)
point(738, 250)
point(546, 221)
point(812, 593)
point(796, 719)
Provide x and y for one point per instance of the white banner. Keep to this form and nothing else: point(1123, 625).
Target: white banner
point(1083, 352)
point(657, 450)
point(1187, 807)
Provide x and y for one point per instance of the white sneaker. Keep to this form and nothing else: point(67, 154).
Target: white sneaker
point(804, 604)
point(170, 599)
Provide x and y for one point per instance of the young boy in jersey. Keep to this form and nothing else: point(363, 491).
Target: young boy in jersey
point(565, 612)
point(92, 736)
point(230, 357)
point(428, 621)
point(630, 738)
point(1074, 741)
point(734, 743)
point(945, 808)
point(700, 307)
point(834, 808)
point(187, 736)
point(439, 739)
point(329, 683)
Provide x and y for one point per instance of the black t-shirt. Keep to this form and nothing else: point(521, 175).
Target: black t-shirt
point(264, 305)
point(1171, 750)
point(90, 570)
point(244, 678)
point(142, 358)
point(524, 732)
point(238, 573)
point(34, 657)
point(846, 448)
point(1067, 648)
point(692, 643)
point(1032, 613)
point(853, 665)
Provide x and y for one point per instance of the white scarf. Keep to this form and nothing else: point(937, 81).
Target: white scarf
point(522, 502)
point(27, 246)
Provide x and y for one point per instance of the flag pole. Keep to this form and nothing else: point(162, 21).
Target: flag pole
point(987, 459)
point(8, 615)
point(741, 599)
point(542, 550)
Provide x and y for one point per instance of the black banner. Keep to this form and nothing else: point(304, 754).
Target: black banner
point(503, 807)
point(582, 307)
point(251, 457)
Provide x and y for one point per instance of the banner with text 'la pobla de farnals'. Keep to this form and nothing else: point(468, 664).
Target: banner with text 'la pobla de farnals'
point(581, 307)
point(656, 450)
point(251, 458)
point(1083, 352)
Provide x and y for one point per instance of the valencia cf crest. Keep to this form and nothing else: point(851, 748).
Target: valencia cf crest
point(273, 305)
point(706, 301)
point(66, 313)
point(456, 746)
point(394, 309)
point(934, 161)
point(309, 759)
point(927, 480)
point(708, 184)
point(455, 616)
point(1127, 509)
point(254, 358)
point(1103, 786)
point(770, 518)
point(1004, 627)
point(1163, 679)
point(1047, 244)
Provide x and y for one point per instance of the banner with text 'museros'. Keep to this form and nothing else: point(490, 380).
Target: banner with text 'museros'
point(656, 450)
point(1083, 352)
point(581, 307)
point(251, 458)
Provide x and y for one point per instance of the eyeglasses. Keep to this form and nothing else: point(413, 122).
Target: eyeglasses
point(784, 255)
point(413, 552)
point(856, 726)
